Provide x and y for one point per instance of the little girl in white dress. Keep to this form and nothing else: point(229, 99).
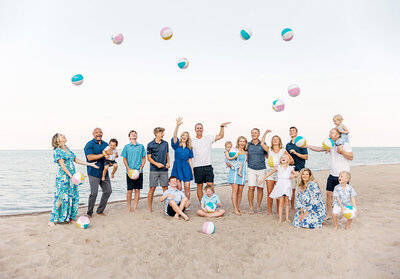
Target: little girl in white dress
point(283, 187)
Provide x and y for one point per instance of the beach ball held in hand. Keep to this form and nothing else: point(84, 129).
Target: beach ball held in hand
point(78, 178)
point(245, 34)
point(83, 222)
point(166, 33)
point(183, 63)
point(278, 105)
point(294, 90)
point(133, 174)
point(272, 161)
point(210, 207)
point(233, 152)
point(77, 79)
point(328, 143)
point(349, 213)
point(208, 228)
point(287, 34)
point(117, 38)
point(300, 141)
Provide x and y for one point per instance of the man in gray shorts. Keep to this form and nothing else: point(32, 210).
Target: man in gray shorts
point(158, 156)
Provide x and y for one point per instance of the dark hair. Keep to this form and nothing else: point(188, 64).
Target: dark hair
point(114, 140)
point(132, 131)
point(293, 127)
point(172, 177)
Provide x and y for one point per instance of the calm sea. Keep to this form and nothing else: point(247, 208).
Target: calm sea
point(27, 177)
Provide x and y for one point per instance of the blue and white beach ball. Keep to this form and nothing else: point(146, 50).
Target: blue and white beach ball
point(83, 222)
point(245, 34)
point(117, 38)
point(77, 79)
point(208, 228)
point(278, 105)
point(183, 63)
point(300, 141)
point(233, 152)
point(328, 143)
point(210, 207)
point(287, 34)
point(349, 213)
point(78, 178)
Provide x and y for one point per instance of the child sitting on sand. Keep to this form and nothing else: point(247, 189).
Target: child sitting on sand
point(344, 132)
point(210, 197)
point(175, 200)
point(235, 164)
point(110, 153)
point(343, 195)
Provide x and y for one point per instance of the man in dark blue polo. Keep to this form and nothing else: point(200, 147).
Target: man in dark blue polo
point(299, 155)
point(94, 153)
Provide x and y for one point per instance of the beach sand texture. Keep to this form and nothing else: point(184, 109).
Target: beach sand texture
point(144, 245)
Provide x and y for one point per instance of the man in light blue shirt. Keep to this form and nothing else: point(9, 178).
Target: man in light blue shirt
point(175, 200)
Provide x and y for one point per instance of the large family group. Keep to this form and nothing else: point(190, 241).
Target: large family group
point(284, 173)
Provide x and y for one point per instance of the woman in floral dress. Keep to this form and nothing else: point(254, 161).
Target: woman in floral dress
point(66, 196)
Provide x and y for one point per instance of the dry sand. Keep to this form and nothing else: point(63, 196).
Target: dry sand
point(144, 245)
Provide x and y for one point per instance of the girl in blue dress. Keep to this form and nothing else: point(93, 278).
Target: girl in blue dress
point(237, 181)
point(183, 166)
point(66, 195)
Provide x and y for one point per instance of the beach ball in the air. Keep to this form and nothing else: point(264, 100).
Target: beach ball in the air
point(183, 63)
point(273, 161)
point(210, 207)
point(78, 178)
point(208, 228)
point(77, 79)
point(245, 34)
point(349, 212)
point(233, 152)
point(328, 143)
point(287, 34)
point(83, 222)
point(300, 141)
point(278, 105)
point(294, 90)
point(117, 38)
point(166, 33)
point(133, 174)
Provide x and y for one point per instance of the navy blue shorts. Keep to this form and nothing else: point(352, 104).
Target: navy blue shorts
point(171, 212)
point(332, 182)
point(134, 184)
point(203, 174)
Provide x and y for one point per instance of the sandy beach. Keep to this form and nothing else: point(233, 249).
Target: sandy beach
point(143, 245)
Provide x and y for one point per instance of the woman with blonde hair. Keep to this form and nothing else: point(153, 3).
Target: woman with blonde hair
point(66, 196)
point(183, 166)
point(236, 179)
point(309, 205)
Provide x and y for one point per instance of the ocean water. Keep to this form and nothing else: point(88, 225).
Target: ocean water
point(27, 177)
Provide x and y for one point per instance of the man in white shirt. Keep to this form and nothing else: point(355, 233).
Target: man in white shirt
point(202, 168)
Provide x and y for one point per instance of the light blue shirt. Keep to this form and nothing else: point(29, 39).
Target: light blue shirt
point(344, 195)
point(213, 199)
point(134, 154)
point(178, 196)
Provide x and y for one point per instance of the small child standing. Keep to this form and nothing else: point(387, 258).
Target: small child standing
point(235, 164)
point(283, 187)
point(110, 153)
point(343, 195)
point(344, 132)
point(210, 197)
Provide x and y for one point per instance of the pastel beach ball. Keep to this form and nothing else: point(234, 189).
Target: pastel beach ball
point(166, 33)
point(208, 228)
point(77, 79)
point(349, 213)
point(183, 63)
point(83, 222)
point(117, 38)
point(328, 143)
point(294, 90)
point(300, 141)
point(287, 34)
point(78, 178)
point(233, 152)
point(245, 34)
point(278, 105)
point(273, 161)
point(133, 174)
point(210, 207)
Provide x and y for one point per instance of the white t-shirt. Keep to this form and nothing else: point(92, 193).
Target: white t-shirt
point(113, 155)
point(202, 150)
point(338, 162)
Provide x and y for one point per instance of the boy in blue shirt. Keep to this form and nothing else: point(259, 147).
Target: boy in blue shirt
point(210, 197)
point(175, 200)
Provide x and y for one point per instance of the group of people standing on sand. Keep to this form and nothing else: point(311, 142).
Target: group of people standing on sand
point(284, 172)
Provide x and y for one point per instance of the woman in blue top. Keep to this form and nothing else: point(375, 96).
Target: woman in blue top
point(66, 196)
point(183, 166)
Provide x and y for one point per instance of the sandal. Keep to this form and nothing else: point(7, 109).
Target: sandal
point(259, 211)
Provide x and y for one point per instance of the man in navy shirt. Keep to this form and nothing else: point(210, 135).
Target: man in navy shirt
point(299, 155)
point(94, 153)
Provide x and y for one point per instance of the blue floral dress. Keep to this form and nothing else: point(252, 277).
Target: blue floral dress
point(233, 176)
point(310, 200)
point(181, 168)
point(66, 196)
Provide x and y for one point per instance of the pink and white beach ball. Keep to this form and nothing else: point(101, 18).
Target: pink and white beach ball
point(133, 174)
point(78, 178)
point(208, 228)
point(278, 105)
point(166, 33)
point(83, 222)
point(294, 90)
point(117, 38)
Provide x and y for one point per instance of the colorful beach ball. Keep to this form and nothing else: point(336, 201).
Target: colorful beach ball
point(328, 143)
point(77, 79)
point(78, 178)
point(210, 207)
point(245, 34)
point(233, 152)
point(349, 213)
point(183, 63)
point(83, 222)
point(278, 105)
point(117, 38)
point(300, 141)
point(166, 33)
point(294, 90)
point(208, 228)
point(273, 161)
point(287, 34)
point(133, 174)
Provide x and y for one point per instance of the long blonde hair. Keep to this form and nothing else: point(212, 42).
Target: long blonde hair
point(300, 181)
point(237, 143)
point(280, 142)
point(188, 141)
point(55, 142)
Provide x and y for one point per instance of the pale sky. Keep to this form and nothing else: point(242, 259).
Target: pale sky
point(345, 56)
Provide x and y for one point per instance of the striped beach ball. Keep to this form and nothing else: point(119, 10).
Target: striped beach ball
point(328, 143)
point(133, 174)
point(77, 79)
point(78, 178)
point(117, 38)
point(349, 212)
point(183, 63)
point(208, 228)
point(294, 90)
point(273, 161)
point(166, 33)
point(300, 141)
point(210, 206)
point(83, 222)
point(287, 34)
point(278, 105)
point(245, 34)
